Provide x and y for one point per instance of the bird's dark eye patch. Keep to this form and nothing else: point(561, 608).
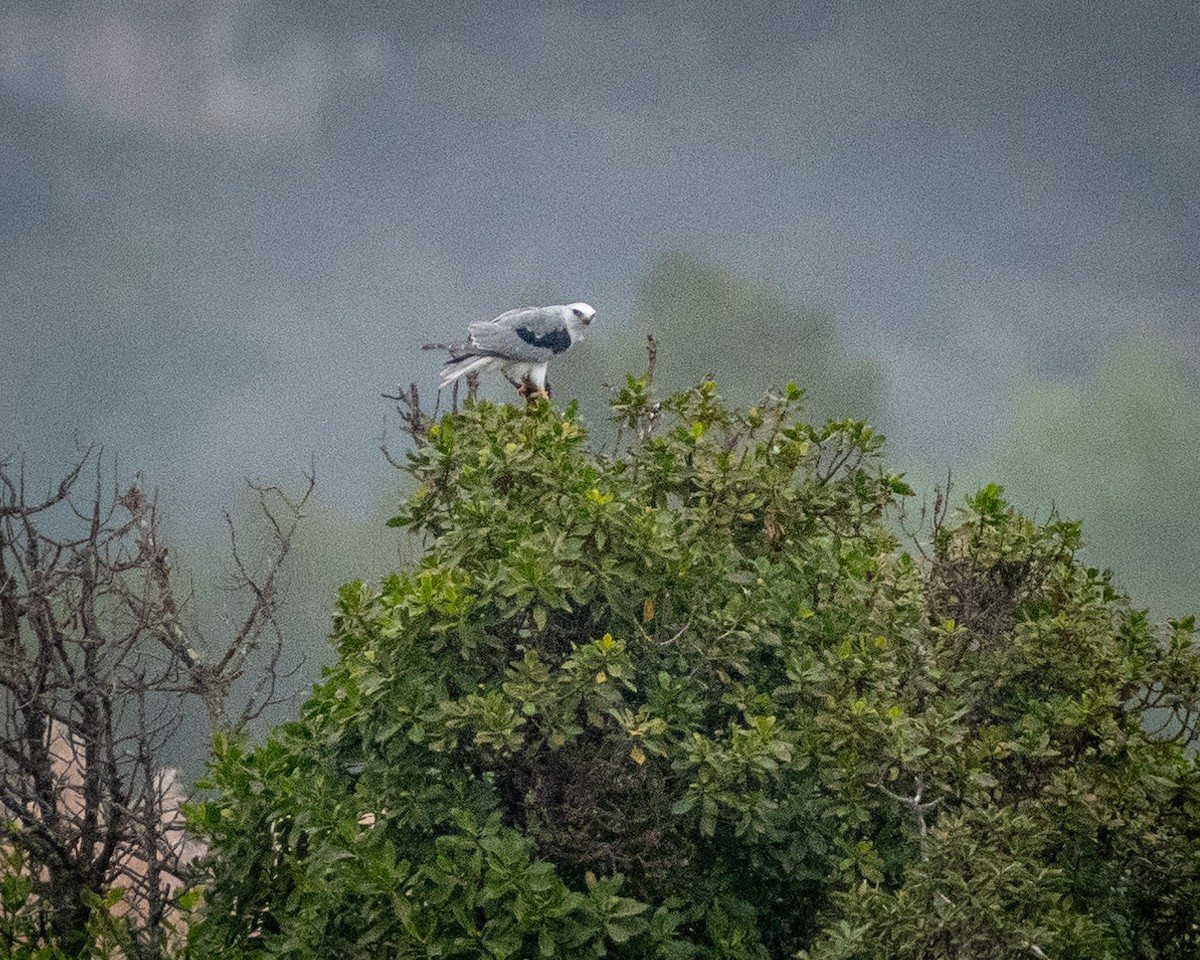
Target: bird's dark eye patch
point(556, 341)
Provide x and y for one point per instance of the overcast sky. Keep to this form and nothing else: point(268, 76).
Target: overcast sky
point(227, 224)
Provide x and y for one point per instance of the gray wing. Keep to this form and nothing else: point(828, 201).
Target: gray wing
point(529, 335)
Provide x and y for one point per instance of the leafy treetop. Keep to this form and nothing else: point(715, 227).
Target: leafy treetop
point(691, 698)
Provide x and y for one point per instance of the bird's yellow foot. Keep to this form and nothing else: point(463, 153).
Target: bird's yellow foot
point(532, 393)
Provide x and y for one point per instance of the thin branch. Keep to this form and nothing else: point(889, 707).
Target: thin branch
point(92, 629)
point(916, 807)
point(408, 406)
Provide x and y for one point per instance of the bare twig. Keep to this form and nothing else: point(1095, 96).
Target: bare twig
point(408, 406)
point(916, 807)
point(93, 631)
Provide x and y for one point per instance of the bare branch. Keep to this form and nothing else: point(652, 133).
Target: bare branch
point(96, 645)
point(16, 503)
point(408, 406)
point(916, 807)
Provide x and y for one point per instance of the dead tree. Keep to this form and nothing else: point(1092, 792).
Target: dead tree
point(99, 652)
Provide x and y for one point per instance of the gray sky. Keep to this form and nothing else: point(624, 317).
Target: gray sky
point(228, 224)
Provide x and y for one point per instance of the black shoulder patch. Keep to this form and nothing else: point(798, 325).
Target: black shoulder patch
point(556, 341)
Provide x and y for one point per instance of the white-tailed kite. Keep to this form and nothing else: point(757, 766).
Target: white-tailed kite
point(519, 344)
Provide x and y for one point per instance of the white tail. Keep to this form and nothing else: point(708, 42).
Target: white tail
point(461, 366)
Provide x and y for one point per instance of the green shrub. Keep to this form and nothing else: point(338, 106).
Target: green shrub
point(692, 698)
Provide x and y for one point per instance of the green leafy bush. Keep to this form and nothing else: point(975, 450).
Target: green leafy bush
point(692, 698)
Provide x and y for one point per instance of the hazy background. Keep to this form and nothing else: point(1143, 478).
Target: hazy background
point(226, 226)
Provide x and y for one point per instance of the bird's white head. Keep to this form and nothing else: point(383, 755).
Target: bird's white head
point(580, 316)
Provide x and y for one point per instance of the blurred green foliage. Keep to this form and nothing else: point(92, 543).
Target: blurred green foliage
point(708, 318)
point(688, 696)
point(1120, 449)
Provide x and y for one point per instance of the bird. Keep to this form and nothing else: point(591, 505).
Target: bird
point(519, 343)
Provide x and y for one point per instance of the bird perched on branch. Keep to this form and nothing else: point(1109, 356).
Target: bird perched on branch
point(519, 344)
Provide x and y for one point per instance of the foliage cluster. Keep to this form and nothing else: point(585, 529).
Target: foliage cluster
point(691, 697)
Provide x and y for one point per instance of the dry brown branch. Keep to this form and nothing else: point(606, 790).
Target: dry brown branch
point(455, 350)
point(97, 648)
point(416, 422)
